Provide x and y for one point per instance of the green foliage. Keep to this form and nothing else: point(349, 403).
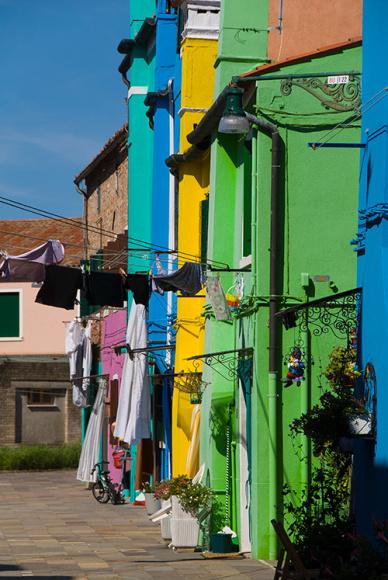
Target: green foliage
point(39, 457)
point(318, 520)
point(327, 421)
point(194, 497)
point(148, 487)
point(341, 370)
point(321, 529)
point(165, 489)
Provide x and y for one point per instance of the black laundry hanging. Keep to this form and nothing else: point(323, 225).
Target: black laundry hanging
point(139, 284)
point(187, 279)
point(104, 289)
point(60, 287)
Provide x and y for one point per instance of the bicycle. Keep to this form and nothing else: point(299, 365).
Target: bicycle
point(104, 489)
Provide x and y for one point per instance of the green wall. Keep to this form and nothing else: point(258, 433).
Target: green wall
point(317, 221)
point(239, 50)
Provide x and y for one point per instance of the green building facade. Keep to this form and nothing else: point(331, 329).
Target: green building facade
point(246, 409)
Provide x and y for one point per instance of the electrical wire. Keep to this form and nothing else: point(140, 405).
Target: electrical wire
point(154, 248)
point(370, 103)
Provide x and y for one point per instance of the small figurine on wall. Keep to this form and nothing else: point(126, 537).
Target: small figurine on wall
point(296, 368)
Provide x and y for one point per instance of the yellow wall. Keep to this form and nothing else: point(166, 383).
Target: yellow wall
point(198, 57)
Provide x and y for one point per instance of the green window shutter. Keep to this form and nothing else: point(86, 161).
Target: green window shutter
point(247, 215)
point(10, 316)
point(204, 226)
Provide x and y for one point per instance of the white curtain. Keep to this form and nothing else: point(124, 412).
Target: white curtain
point(91, 446)
point(134, 407)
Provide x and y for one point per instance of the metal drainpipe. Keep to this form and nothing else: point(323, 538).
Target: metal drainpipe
point(274, 292)
point(83, 192)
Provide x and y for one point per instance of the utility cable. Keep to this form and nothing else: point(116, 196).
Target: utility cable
point(101, 231)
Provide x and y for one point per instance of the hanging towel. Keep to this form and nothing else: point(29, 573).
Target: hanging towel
point(91, 445)
point(134, 408)
point(187, 279)
point(140, 287)
point(217, 298)
point(29, 267)
point(104, 289)
point(60, 287)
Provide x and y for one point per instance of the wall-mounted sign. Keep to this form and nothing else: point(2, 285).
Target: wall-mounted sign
point(338, 80)
point(321, 278)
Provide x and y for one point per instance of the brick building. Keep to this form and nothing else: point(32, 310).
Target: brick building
point(35, 392)
point(104, 185)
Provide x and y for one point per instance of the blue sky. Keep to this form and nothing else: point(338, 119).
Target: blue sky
point(61, 96)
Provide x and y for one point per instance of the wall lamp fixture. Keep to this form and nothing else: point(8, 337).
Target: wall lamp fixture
point(234, 120)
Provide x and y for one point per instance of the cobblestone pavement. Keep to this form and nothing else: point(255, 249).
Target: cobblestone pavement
point(51, 527)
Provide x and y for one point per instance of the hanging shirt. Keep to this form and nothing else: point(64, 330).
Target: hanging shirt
point(187, 279)
point(104, 289)
point(134, 409)
point(78, 347)
point(30, 266)
point(60, 287)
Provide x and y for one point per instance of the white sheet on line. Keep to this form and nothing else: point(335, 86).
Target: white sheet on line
point(134, 407)
point(91, 446)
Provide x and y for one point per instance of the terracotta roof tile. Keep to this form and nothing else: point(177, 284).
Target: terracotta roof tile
point(116, 139)
point(19, 236)
point(325, 50)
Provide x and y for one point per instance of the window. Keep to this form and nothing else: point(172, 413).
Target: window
point(98, 199)
point(10, 308)
point(40, 398)
point(204, 227)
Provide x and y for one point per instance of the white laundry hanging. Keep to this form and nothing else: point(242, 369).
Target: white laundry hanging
point(78, 347)
point(91, 446)
point(134, 406)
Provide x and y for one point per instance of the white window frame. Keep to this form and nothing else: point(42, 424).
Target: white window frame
point(20, 292)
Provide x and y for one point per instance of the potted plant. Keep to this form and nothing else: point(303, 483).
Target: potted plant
point(339, 414)
point(152, 503)
point(187, 502)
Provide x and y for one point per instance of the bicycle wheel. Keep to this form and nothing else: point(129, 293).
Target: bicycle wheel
point(114, 493)
point(100, 493)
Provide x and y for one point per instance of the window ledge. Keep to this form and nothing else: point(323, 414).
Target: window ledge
point(246, 261)
point(10, 338)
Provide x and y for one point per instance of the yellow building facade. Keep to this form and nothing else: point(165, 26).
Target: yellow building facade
point(198, 53)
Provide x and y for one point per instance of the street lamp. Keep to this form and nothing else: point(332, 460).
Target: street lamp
point(234, 120)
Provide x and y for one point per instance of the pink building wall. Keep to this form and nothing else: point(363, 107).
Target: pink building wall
point(42, 327)
point(113, 332)
point(311, 24)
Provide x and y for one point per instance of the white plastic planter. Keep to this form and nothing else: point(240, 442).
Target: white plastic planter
point(165, 527)
point(184, 528)
point(360, 425)
point(152, 504)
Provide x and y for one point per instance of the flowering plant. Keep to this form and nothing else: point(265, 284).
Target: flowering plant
point(165, 489)
point(194, 497)
point(148, 487)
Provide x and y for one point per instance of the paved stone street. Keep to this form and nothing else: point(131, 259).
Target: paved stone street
point(50, 526)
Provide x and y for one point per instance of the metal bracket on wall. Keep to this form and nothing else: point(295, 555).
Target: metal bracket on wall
point(340, 97)
point(226, 359)
point(337, 313)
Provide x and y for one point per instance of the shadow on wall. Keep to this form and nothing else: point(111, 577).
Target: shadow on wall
point(370, 492)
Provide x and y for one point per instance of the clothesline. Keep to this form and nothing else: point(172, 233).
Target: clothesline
point(88, 377)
